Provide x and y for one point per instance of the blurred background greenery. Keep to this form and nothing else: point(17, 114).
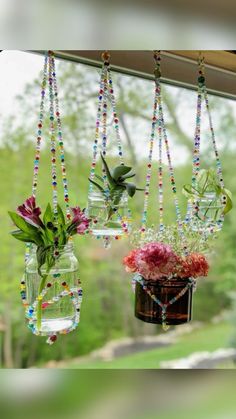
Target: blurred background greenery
point(107, 309)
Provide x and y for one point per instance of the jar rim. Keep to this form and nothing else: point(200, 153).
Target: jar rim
point(165, 282)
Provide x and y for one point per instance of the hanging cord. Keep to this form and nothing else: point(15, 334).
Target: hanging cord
point(38, 143)
point(106, 58)
point(106, 93)
point(40, 127)
point(197, 134)
point(202, 95)
point(97, 130)
point(114, 113)
point(60, 140)
point(149, 164)
point(52, 140)
point(162, 133)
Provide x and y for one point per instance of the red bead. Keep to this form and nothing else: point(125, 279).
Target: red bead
point(53, 338)
point(57, 113)
point(116, 120)
point(149, 165)
point(63, 283)
point(49, 284)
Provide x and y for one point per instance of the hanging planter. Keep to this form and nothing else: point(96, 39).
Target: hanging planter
point(208, 199)
point(108, 204)
point(164, 282)
point(164, 301)
point(166, 260)
point(108, 217)
point(109, 190)
point(50, 288)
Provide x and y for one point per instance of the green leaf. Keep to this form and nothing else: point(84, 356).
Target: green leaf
point(42, 253)
point(22, 224)
point(109, 176)
point(98, 177)
point(24, 237)
point(97, 185)
point(189, 191)
point(131, 189)
point(48, 215)
point(119, 171)
point(128, 176)
point(61, 217)
point(229, 202)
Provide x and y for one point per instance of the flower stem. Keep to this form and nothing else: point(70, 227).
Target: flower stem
point(41, 287)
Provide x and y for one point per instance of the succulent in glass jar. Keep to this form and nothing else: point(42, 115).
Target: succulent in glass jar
point(108, 204)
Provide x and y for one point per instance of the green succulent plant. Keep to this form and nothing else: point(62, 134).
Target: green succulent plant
point(117, 184)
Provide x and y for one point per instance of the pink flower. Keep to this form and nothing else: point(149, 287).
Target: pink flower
point(30, 213)
point(80, 221)
point(193, 266)
point(156, 261)
point(83, 227)
point(130, 261)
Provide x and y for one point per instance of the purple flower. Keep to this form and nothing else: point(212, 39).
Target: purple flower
point(80, 221)
point(30, 213)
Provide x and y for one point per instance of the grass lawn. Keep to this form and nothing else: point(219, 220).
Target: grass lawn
point(209, 338)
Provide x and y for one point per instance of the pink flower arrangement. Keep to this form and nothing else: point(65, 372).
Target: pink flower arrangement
point(156, 261)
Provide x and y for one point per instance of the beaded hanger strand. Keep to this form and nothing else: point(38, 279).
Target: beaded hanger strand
point(106, 94)
point(202, 95)
point(158, 124)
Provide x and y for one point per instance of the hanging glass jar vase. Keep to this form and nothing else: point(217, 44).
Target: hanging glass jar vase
point(108, 190)
point(208, 199)
point(207, 213)
point(108, 213)
point(166, 302)
point(53, 295)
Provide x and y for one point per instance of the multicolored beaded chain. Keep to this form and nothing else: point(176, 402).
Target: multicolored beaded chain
point(106, 92)
point(164, 307)
point(55, 129)
point(159, 124)
point(202, 94)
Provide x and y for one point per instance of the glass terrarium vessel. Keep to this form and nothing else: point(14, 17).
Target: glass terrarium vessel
point(107, 214)
point(207, 213)
point(149, 311)
point(57, 313)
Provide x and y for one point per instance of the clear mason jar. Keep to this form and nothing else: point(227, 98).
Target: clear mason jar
point(207, 213)
point(108, 215)
point(58, 313)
